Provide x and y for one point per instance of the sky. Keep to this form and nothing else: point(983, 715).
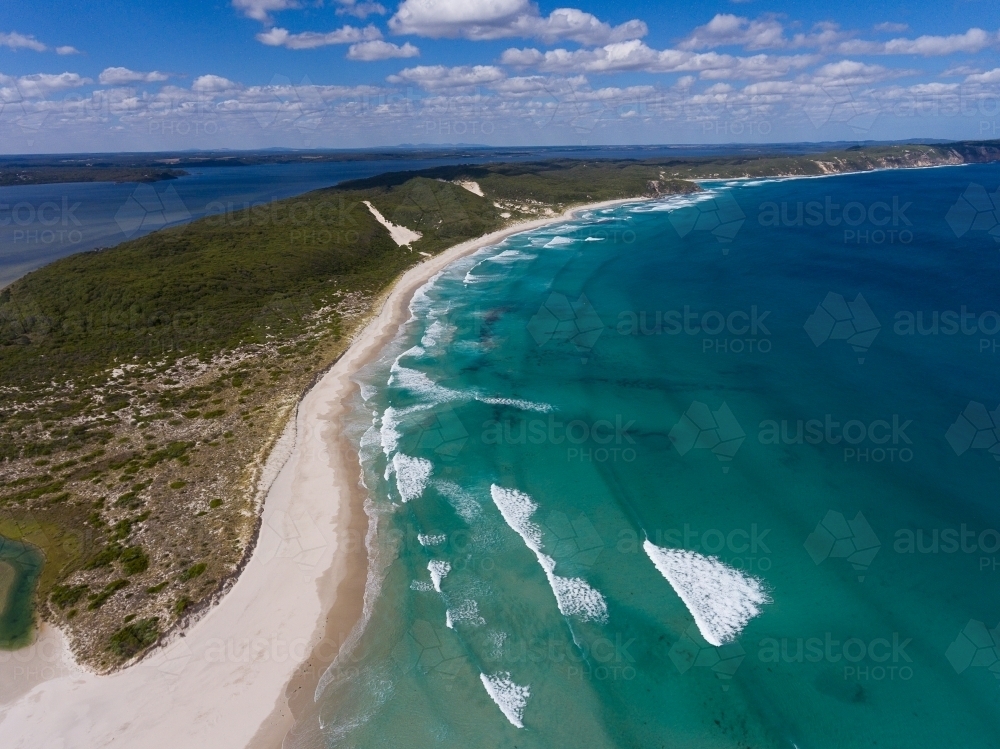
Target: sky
point(119, 75)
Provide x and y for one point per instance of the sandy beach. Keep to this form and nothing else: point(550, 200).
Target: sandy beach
point(246, 670)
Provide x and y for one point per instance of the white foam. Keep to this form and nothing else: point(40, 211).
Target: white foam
point(429, 540)
point(721, 599)
point(497, 639)
point(524, 405)
point(412, 475)
point(517, 509)
point(421, 586)
point(414, 351)
point(439, 571)
point(465, 504)
point(466, 611)
point(430, 337)
point(594, 239)
point(511, 698)
point(420, 384)
point(558, 242)
point(674, 202)
point(388, 433)
point(574, 595)
point(507, 257)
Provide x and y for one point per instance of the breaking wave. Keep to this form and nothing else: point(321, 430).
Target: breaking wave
point(574, 596)
point(721, 599)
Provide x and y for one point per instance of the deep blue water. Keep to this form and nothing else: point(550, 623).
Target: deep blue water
point(596, 448)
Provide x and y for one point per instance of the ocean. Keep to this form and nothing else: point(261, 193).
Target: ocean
point(708, 471)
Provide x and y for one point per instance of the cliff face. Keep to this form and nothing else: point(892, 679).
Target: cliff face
point(901, 157)
point(975, 152)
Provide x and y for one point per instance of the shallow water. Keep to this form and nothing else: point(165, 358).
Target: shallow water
point(578, 489)
point(20, 567)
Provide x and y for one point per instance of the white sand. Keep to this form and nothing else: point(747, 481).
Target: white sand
point(225, 677)
point(400, 234)
point(472, 187)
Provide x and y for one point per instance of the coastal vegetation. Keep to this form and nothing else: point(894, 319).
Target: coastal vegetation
point(142, 386)
point(42, 175)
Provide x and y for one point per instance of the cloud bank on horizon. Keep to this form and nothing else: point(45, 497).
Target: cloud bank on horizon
point(356, 73)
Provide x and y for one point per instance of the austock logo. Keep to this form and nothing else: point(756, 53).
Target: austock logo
point(840, 105)
point(702, 428)
point(720, 215)
point(295, 536)
point(299, 106)
point(692, 651)
point(836, 537)
point(147, 209)
point(837, 319)
point(976, 210)
point(976, 429)
point(439, 430)
point(21, 319)
point(15, 107)
point(559, 319)
point(976, 647)
point(431, 650)
point(578, 544)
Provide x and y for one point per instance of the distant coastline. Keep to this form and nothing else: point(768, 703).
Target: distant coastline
point(52, 175)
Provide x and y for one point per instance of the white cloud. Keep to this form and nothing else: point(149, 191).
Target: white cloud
point(440, 77)
point(124, 76)
point(360, 9)
point(636, 56)
point(972, 41)
point(960, 70)
point(41, 84)
point(21, 41)
point(278, 37)
point(756, 67)
point(379, 50)
point(990, 76)
point(523, 58)
point(853, 73)
point(67, 50)
point(213, 84)
point(260, 10)
point(726, 29)
point(499, 19)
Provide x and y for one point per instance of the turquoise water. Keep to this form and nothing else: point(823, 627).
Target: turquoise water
point(659, 476)
point(20, 567)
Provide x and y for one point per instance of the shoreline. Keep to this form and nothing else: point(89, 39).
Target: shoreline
point(787, 177)
point(243, 673)
point(298, 696)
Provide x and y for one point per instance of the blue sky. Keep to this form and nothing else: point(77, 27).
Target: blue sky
point(121, 75)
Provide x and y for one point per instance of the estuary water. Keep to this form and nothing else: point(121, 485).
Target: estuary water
point(20, 567)
point(709, 471)
point(42, 223)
